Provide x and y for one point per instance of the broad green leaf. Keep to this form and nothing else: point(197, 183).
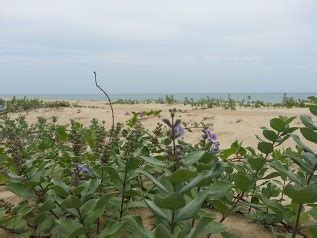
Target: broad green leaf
point(71, 202)
point(265, 147)
point(59, 191)
point(155, 209)
point(301, 144)
point(202, 224)
point(270, 135)
point(195, 181)
point(219, 189)
point(153, 161)
point(276, 206)
point(173, 201)
point(220, 206)
point(91, 187)
point(181, 175)
point(137, 228)
point(46, 224)
point(241, 181)
point(225, 154)
point(133, 164)
point(190, 210)
point(112, 229)
point(90, 137)
point(256, 163)
point(308, 122)
point(309, 134)
point(99, 209)
point(154, 180)
point(307, 194)
point(277, 165)
point(162, 232)
point(88, 206)
point(193, 157)
point(277, 124)
point(47, 205)
point(313, 109)
point(20, 190)
point(214, 228)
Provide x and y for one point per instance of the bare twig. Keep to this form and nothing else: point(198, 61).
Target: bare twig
point(104, 92)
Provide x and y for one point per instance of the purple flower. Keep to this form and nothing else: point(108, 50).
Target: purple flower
point(127, 114)
point(215, 147)
point(179, 131)
point(211, 137)
point(83, 168)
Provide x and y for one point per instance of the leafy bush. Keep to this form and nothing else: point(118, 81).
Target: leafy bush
point(87, 181)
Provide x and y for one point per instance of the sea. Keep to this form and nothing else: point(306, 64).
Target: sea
point(266, 97)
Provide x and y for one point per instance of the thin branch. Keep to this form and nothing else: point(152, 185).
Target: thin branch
point(109, 100)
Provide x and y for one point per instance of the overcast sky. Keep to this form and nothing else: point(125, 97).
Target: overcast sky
point(158, 46)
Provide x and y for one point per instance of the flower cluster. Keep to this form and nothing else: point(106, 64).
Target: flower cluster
point(83, 168)
point(179, 131)
point(211, 137)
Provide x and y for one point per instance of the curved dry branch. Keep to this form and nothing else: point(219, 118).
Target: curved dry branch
point(110, 103)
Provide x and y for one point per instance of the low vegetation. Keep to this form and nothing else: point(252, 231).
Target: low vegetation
point(76, 181)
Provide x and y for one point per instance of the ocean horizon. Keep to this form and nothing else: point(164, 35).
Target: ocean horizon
point(266, 97)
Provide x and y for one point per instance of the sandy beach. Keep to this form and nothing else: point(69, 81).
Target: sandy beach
point(242, 124)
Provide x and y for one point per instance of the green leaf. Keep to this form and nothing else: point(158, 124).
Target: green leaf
point(201, 225)
point(193, 157)
point(91, 187)
point(308, 122)
point(220, 206)
point(190, 210)
point(153, 161)
point(219, 189)
point(215, 228)
point(61, 134)
point(133, 164)
point(225, 154)
point(161, 232)
point(47, 205)
point(154, 180)
point(90, 137)
point(301, 144)
point(137, 228)
point(112, 229)
point(20, 190)
point(195, 181)
point(276, 206)
point(265, 147)
point(181, 175)
point(256, 163)
point(46, 224)
point(307, 194)
point(277, 124)
point(59, 191)
point(155, 209)
point(270, 135)
point(241, 181)
point(99, 209)
point(88, 206)
point(71, 202)
point(173, 201)
point(277, 165)
point(313, 109)
point(309, 134)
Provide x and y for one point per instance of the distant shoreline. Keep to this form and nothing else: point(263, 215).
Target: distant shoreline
point(265, 97)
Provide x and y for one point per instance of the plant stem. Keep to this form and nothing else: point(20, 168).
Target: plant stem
point(110, 103)
point(122, 193)
point(300, 207)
